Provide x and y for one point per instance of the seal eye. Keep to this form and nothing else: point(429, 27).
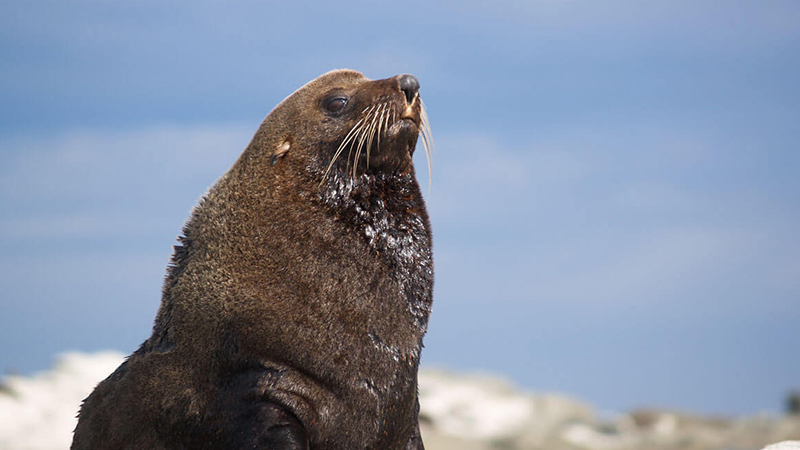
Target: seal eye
point(335, 104)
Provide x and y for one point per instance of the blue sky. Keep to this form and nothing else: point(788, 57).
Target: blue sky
point(615, 198)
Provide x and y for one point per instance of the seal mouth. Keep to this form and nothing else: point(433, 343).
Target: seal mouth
point(408, 121)
point(404, 125)
point(412, 115)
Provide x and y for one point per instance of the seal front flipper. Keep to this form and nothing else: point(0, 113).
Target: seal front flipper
point(268, 426)
point(415, 443)
point(245, 418)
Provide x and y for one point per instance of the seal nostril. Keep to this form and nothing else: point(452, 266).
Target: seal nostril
point(409, 84)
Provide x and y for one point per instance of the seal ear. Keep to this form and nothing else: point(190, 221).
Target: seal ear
point(282, 149)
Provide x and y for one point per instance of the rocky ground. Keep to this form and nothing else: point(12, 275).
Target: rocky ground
point(457, 412)
point(481, 413)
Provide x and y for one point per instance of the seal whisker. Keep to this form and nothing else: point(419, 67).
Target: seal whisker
point(352, 134)
point(363, 144)
point(339, 150)
point(352, 148)
point(373, 125)
point(361, 138)
point(381, 126)
point(367, 135)
point(389, 117)
point(427, 140)
point(426, 128)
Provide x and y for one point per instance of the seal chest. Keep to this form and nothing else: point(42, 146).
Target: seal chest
point(294, 308)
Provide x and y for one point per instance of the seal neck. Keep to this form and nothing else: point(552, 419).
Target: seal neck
point(388, 212)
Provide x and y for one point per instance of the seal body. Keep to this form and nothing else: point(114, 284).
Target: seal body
point(294, 307)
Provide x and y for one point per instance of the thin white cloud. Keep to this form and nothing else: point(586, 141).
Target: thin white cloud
point(599, 217)
point(692, 25)
point(102, 183)
point(662, 264)
point(77, 164)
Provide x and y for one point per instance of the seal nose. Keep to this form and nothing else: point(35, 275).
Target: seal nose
point(409, 84)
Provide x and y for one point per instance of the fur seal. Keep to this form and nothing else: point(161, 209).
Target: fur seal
point(294, 308)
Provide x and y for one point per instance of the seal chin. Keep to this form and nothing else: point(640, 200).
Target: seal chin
point(396, 148)
point(403, 130)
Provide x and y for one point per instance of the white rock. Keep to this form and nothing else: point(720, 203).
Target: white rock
point(487, 408)
point(585, 436)
point(785, 445)
point(39, 412)
point(458, 411)
point(472, 406)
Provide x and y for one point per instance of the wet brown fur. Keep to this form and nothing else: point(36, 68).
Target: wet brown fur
point(293, 311)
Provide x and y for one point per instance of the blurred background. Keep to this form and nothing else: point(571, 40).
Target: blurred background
point(615, 195)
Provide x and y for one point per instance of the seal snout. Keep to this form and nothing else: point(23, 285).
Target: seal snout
point(409, 84)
